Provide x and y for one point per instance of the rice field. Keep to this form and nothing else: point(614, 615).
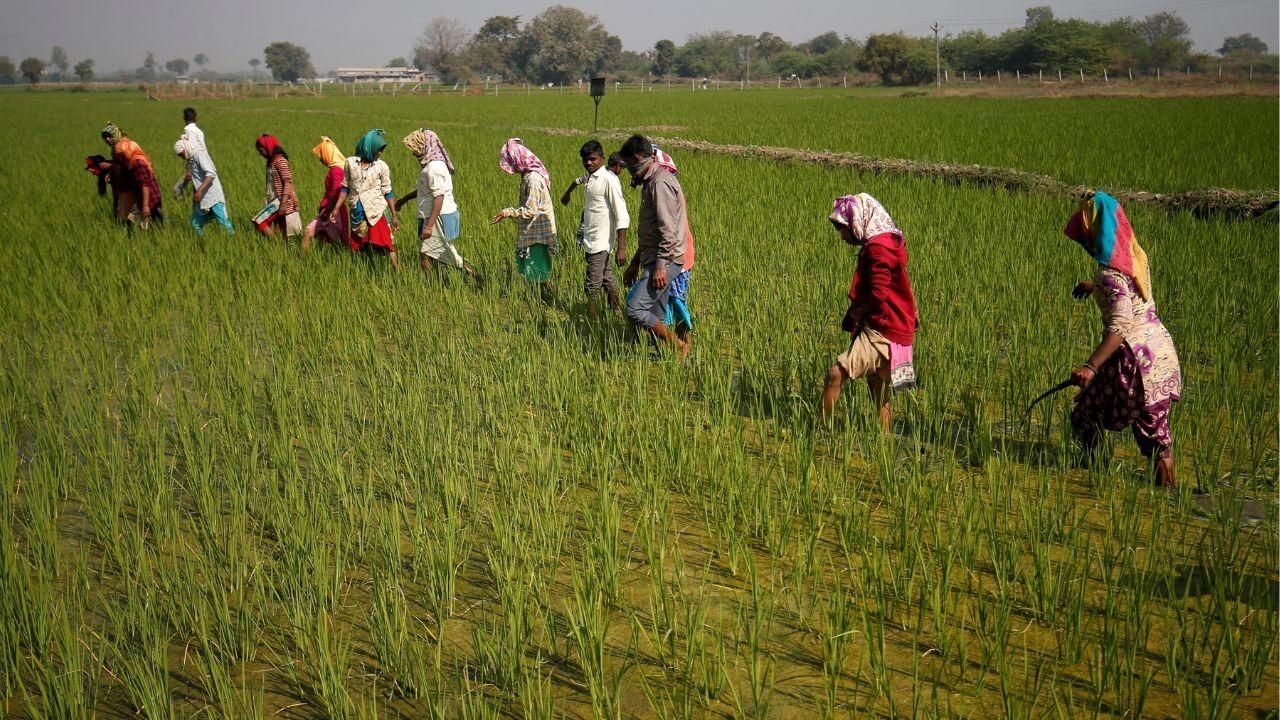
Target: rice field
point(241, 483)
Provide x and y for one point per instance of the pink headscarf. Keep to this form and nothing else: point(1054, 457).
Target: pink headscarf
point(516, 158)
point(664, 160)
point(864, 215)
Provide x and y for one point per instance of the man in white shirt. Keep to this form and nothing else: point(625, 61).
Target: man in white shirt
point(196, 135)
point(439, 221)
point(604, 221)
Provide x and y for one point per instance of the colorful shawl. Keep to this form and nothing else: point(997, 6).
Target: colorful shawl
point(270, 145)
point(516, 158)
point(112, 131)
point(864, 215)
point(328, 152)
point(370, 144)
point(426, 145)
point(1101, 228)
point(129, 151)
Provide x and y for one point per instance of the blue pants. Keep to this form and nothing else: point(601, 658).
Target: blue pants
point(646, 304)
point(200, 218)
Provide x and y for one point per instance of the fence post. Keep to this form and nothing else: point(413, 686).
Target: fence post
point(779, 82)
point(946, 76)
point(998, 76)
point(1219, 73)
point(1059, 75)
point(1042, 77)
point(845, 80)
point(1018, 73)
point(964, 76)
point(1157, 74)
point(1130, 73)
point(1105, 79)
point(979, 76)
point(1081, 76)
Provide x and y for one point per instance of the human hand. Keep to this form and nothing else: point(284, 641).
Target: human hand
point(426, 231)
point(849, 322)
point(659, 277)
point(629, 277)
point(399, 204)
point(498, 218)
point(1083, 376)
point(1082, 290)
point(620, 260)
point(195, 196)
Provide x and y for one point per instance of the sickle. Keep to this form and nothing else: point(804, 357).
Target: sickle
point(1056, 388)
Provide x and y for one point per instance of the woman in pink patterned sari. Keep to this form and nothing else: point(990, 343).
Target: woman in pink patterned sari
point(1132, 379)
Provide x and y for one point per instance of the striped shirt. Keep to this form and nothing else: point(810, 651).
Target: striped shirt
point(280, 184)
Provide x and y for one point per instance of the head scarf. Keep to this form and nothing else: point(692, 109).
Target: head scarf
point(1101, 228)
point(186, 146)
point(864, 215)
point(112, 131)
point(270, 145)
point(426, 145)
point(516, 158)
point(328, 152)
point(664, 160)
point(368, 146)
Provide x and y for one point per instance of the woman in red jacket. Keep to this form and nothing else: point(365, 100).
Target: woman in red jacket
point(882, 308)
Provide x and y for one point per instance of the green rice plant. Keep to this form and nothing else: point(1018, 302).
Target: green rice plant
point(589, 623)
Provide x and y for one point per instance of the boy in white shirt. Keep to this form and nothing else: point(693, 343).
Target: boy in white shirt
point(439, 221)
point(604, 221)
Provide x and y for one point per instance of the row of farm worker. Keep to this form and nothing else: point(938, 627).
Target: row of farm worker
point(1129, 381)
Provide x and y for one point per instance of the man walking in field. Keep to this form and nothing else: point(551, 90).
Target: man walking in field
point(660, 249)
point(604, 221)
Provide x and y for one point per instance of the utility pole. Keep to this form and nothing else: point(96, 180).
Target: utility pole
point(937, 57)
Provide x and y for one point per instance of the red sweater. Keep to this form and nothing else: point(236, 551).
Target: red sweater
point(881, 293)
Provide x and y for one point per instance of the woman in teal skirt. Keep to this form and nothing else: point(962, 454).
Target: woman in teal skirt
point(535, 217)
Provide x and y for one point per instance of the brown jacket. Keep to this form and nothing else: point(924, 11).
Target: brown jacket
point(661, 231)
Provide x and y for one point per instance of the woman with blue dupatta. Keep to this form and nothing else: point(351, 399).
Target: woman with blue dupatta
point(1132, 378)
point(366, 189)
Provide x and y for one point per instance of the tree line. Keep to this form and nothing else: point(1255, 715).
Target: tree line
point(563, 44)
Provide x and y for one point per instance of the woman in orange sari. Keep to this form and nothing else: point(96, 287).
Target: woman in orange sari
point(134, 179)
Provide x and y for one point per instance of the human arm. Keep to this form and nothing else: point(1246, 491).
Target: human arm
point(1083, 289)
point(204, 187)
point(428, 225)
point(1085, 374)
point(632, 272)
point(535, 198)
point(279, 169)
point(384, 181)
point(621, 219)
point(667, 205)
point(407, 197)
point(564, 199)
point(333, 212)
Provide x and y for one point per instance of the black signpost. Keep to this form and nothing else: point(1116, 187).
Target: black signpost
point(597, 92)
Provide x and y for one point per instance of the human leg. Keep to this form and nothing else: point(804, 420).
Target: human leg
point(646, 307)
point(592, 286)
point(1151, 431)
point(831, 386)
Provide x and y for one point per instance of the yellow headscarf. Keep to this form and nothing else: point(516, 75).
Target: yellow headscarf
point(329, 153)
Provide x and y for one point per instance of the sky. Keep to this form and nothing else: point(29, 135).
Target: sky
point(117, 33)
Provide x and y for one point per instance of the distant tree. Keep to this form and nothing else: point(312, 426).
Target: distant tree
point(442, 40)
point(664, 53)
point(398, 62)
point(253, 65)
point(841, 59)
point(563, 43)
point(708, 55)
point(8, 73)
point(1242, 43)
point(1168, 39)
point(177, 66)
point(826, 42)
point(1037, 15)
point(768, 45)
point(58, 61)
point(84, 70)
point(147, 72)
point(32, 69)
point(287, 61)
point(493, 48)
point(794, 62)
point(886, 56)
point(200, 60)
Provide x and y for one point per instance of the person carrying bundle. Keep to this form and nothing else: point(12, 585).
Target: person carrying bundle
point(1133, 376)
point(281, 211)
point(882, 316)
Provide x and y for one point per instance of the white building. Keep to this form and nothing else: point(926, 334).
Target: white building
point(387, 74)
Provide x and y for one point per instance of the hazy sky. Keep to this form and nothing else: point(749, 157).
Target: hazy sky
point(117, 33)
